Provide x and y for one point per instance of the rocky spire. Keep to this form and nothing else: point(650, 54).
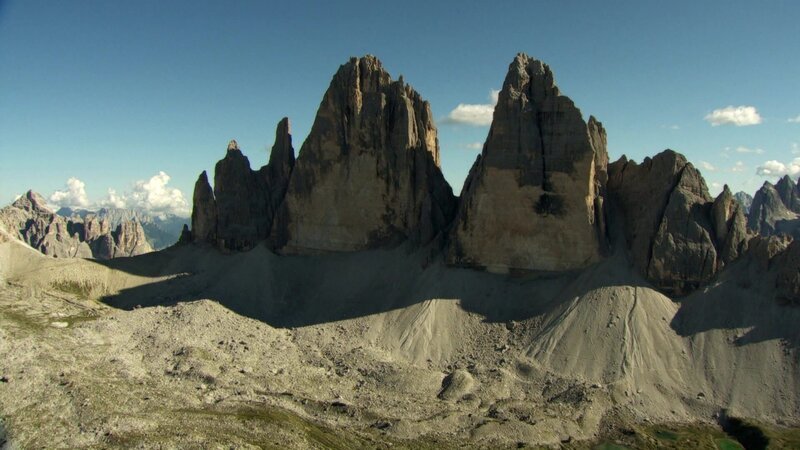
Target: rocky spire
point(204, 211)
point(788, 192)
point(32, 202)
point(730, 227)
point(768, 210)
point(367, 175)
point(533, 199)
point(241, 198)
point(281, 163)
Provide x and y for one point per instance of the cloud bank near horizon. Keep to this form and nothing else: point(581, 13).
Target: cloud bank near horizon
point(153, 196)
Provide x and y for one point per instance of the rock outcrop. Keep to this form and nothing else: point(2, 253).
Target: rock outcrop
point(745, 200)
point(91, 237)
point(676, 235)
point(241, 199)
point(238, 212)
point(204, 211)
point(534, 198)
point(281, 163)
point(368, 174)
point(771, 211)
point(788, 192)
point(787, 279)
point(730, 227)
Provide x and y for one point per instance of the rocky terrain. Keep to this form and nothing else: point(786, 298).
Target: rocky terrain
point(346, 298)
point(30, 220)
point(160, 231)
point(775, 209)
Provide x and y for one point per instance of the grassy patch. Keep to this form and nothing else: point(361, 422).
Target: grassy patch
point(79, 289)
point(609, 446)
point(728, 444)
point(666, 435)
point(23, 321)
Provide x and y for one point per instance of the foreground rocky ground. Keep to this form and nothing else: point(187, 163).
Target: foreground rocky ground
point(197, 351)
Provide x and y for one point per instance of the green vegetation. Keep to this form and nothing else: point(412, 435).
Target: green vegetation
point(608, 446)
point(80, 289)
point(728, 444)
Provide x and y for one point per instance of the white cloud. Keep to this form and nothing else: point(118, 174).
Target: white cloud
point(73, 197)
point(734, 115)
point(742, 149)
point(155, 197)
point(794, 119)
point(113, 200)
point(775, 168)
point(738, 167)
point(707, 166)
point(475, 146)
point(795, 148)
point(152, 196)
point(474, 114)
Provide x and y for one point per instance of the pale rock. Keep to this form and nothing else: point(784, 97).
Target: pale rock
point(368, 174)
point(534, 198)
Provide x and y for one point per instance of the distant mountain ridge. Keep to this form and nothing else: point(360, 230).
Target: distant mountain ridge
point(161, 231)
point(30, 220)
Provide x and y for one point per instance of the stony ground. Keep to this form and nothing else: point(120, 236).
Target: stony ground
point(78, 373)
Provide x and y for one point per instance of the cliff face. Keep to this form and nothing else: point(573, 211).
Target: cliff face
point(677, 236)
point(238, 212)
point(34, 223)
point(537, 198)
point(368, 175)
point(775, 208)
point(534, 198)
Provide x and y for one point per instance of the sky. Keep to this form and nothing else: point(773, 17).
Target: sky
point(125, 103)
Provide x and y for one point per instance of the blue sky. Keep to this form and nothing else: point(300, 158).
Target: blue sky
point(113, 93)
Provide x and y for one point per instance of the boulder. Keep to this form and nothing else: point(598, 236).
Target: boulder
point(533, 200)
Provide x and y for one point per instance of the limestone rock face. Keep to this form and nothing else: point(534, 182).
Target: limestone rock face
point(368, 174)
point(204, 211)
point(666, 217)
point(787, 280)
point(129, 239)
point(769, 214)
point(730, 227)
point(788, 191)
point(238, 212)
point(241, 199)
point(534, 198)
point(745, 200)
point(281, 163)
point(38, 226)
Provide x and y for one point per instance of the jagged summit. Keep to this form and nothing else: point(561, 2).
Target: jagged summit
point(32, 201)
point(534, 198)
point(368, 174)
point(537, 198)
point(30, 220)
point(233, 145)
